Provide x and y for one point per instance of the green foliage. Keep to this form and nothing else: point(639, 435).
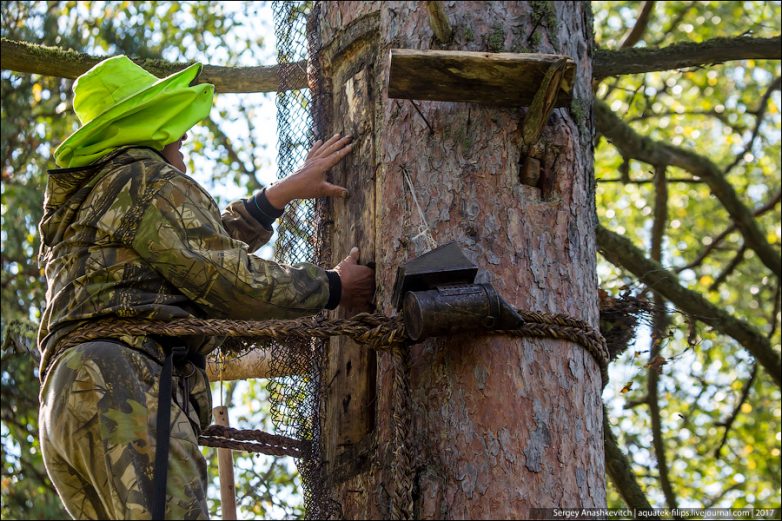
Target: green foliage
point(25, 487)
point(37, 116)
point(469, 35)
point(713, 112)
point(544, 13)
point(496, 39)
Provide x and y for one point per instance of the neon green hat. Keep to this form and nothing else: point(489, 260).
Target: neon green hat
point(119, 103)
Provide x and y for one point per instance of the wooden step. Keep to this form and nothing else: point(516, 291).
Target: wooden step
point(509, 79)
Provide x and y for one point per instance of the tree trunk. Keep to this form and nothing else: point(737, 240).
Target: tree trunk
point(499, 425)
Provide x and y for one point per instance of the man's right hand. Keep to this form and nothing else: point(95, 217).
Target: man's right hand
point(310, 180)
point(358, 283)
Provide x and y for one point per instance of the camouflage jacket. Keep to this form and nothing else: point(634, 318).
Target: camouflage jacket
point(131, 236)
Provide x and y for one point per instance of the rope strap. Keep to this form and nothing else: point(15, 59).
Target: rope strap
point(377, 331)
point(374, 330)
point(253, 441)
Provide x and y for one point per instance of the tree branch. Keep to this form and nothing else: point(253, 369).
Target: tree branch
point(660, 220)
point(721, 116)
point(54, 61)
point(732, 418)
point(681, 55)
point(640, 25)
point(660, 325)
point(730, 229)
point(659, 332)
point(688, 180)
point(711, 501)
point(632, 404)
point(775, 311)
point(620, 470)
point(622, 253)
point(633, 145)
point(730, 268)
point(759, 115)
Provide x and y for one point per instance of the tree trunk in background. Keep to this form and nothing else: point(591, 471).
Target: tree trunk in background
point(499, 425)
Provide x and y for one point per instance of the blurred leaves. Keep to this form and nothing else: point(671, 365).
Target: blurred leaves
point(714, 111)
point(36, 117)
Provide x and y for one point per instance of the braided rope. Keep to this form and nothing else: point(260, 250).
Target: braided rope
point(376, 331)
point(402, 481)
point(253, 441)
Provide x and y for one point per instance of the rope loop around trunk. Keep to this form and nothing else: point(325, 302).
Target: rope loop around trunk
point(373, 330)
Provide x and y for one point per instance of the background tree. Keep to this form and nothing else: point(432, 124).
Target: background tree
point(36, 116)
point(701, 423)
point(687, 167)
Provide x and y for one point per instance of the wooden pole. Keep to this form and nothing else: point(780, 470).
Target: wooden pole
point(254, 364)
point(439, 23)
point(225, 468)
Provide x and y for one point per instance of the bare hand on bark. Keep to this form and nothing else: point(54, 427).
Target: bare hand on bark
point(309, 181)
point(358, 283)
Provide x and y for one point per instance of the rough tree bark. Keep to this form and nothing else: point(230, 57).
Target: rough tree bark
point(499, 425)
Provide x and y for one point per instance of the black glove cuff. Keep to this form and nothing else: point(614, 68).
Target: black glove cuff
point(335, 289)
point(262, 210)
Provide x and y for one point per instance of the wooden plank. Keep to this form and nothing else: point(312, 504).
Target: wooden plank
point(225, 468)
point(351, 369)
point(509, 79)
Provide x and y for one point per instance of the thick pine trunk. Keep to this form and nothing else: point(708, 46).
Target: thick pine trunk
point(499, 425)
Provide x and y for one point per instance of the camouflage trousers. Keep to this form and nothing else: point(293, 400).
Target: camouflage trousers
point(97, 430)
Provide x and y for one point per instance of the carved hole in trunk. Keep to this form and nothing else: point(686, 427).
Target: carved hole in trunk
point(540, 172)
point(530, 171)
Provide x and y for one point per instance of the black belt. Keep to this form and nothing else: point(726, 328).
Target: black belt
point(177, 355)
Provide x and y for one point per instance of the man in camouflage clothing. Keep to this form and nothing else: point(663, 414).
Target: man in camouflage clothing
point(126, 233)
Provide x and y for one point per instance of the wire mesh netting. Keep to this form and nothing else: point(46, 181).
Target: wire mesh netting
point(295, 397)
point(294, 129)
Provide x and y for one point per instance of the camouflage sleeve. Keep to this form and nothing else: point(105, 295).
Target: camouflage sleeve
point(182, 236)
point(244, 227)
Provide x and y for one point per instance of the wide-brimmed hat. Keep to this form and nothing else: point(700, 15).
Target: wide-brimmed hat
point(119, 103)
